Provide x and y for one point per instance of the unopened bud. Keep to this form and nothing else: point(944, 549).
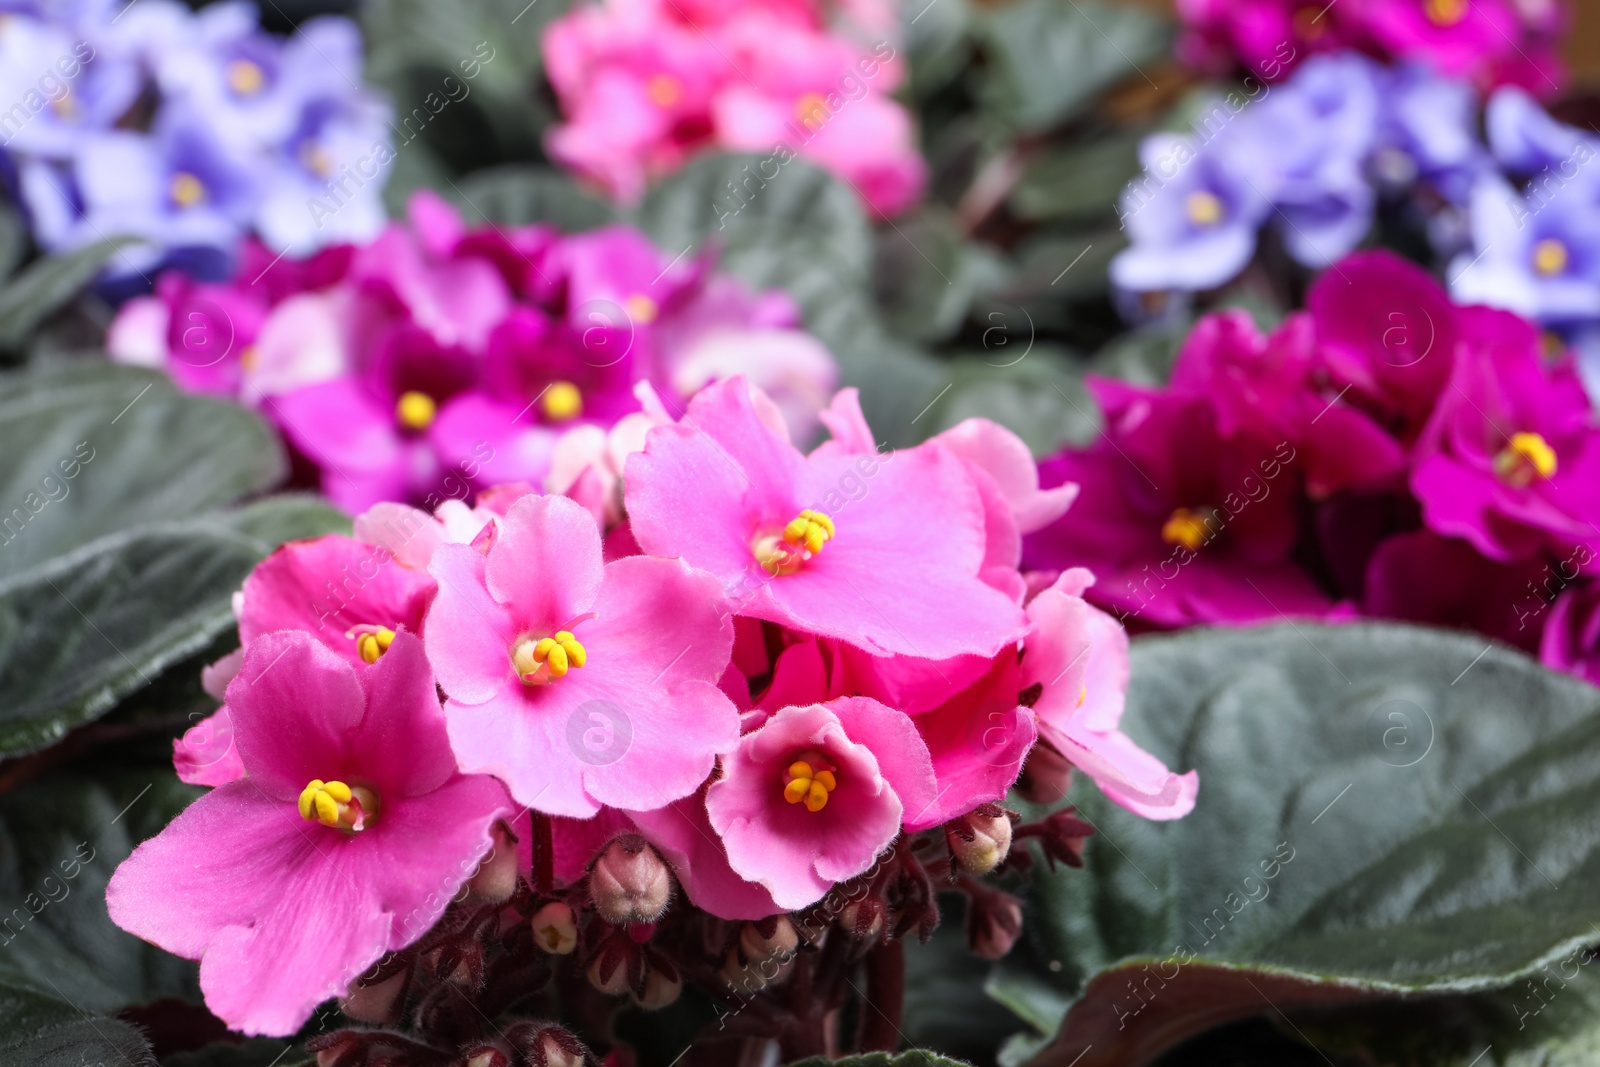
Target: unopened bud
point(629, 883)
point(980, 839)
point(375, 1003)
point(662, 985)
point(496, 877)
point(331, 1050)
point(863, 918)
point(555, 929)
point(994, 922)
point(616, 966)
point(768, 938)
point(546, 1045)
point(1046, 776)
point(485, 1056)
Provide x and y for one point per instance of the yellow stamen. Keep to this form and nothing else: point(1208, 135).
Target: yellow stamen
point(1203, 208)
point(415, 411)
point(248, 358)
point(245, 77)
point(539, 661)
point(1527, 457)
point(1186, 528)
point(315, 159)
point(801, 783)
point(1445, 12)
point(562, 401)
point(1308, 24)
point(811, 109)
point(664, 90)
point(339, 806)
point(1550, 257)
point(1083, 694)
point(802, 538)
point(374, 643)
point(186, 190)
point(641, 309)
point(65, 106)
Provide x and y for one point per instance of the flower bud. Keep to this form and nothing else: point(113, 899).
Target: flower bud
point(1046, 776)
point(863, 918)
point(617, 967)
point(496, 877)
point(629, 883)
point(376, 1003)
point(485, 1056)
point(546, 1045)
point(662, 985)
point(994, 922)
point(335, 1049)
point(555, 929)
point(980, 839)
point(768, 938)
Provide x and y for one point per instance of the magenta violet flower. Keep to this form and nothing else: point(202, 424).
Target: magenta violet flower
point(346, 839)
point(812, 796)
point(889, 560)
point(1510, 460)
point(1181, 524)
point(538, 645)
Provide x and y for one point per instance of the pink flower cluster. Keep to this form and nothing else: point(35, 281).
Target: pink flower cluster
point(773, 667)
point(1490, 42)
point(442, 358)
point(646, 84)
point(1384, 453)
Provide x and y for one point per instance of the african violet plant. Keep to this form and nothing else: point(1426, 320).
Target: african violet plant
point(709, 641)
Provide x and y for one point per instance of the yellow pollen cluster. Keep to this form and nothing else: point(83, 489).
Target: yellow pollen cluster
point(1186, 528)
point(663, 90)
point(537, 662)
point(415, 411)
point(811, 110)
point(810, 528)
point(1203, 208)
point(1528, 456)
point(1445, 12)
point(641, 309)
point(245, 77)
point(186, 190)
point(801, 783)
point(1550, 257)
point(337, 805)
point(374, 643)
point(562, 401)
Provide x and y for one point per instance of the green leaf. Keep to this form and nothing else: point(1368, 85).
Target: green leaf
point(488, 49)
point(13, 240)
point(67, 1039)
point(1032, 389)
point(1048, 59)
point(1383, 810)
point(1079, 182)
point(914, 1058)
point(926, 274)
point(938, 42)
point(63, 963)
point(59, 942)
point(94, 450)
point(521, 194)
point(84, 630)
point(742, 199)
point(40, 290)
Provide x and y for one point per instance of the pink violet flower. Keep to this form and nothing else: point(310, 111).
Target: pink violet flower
point(1510, 459)
point(1571, 638)
point(347, 838)
point(812, 796)
point(885, 553)
point(580, 684)
point(1078, 660)
point(1424, 578)
point(350, 595)
point(1456, 37)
